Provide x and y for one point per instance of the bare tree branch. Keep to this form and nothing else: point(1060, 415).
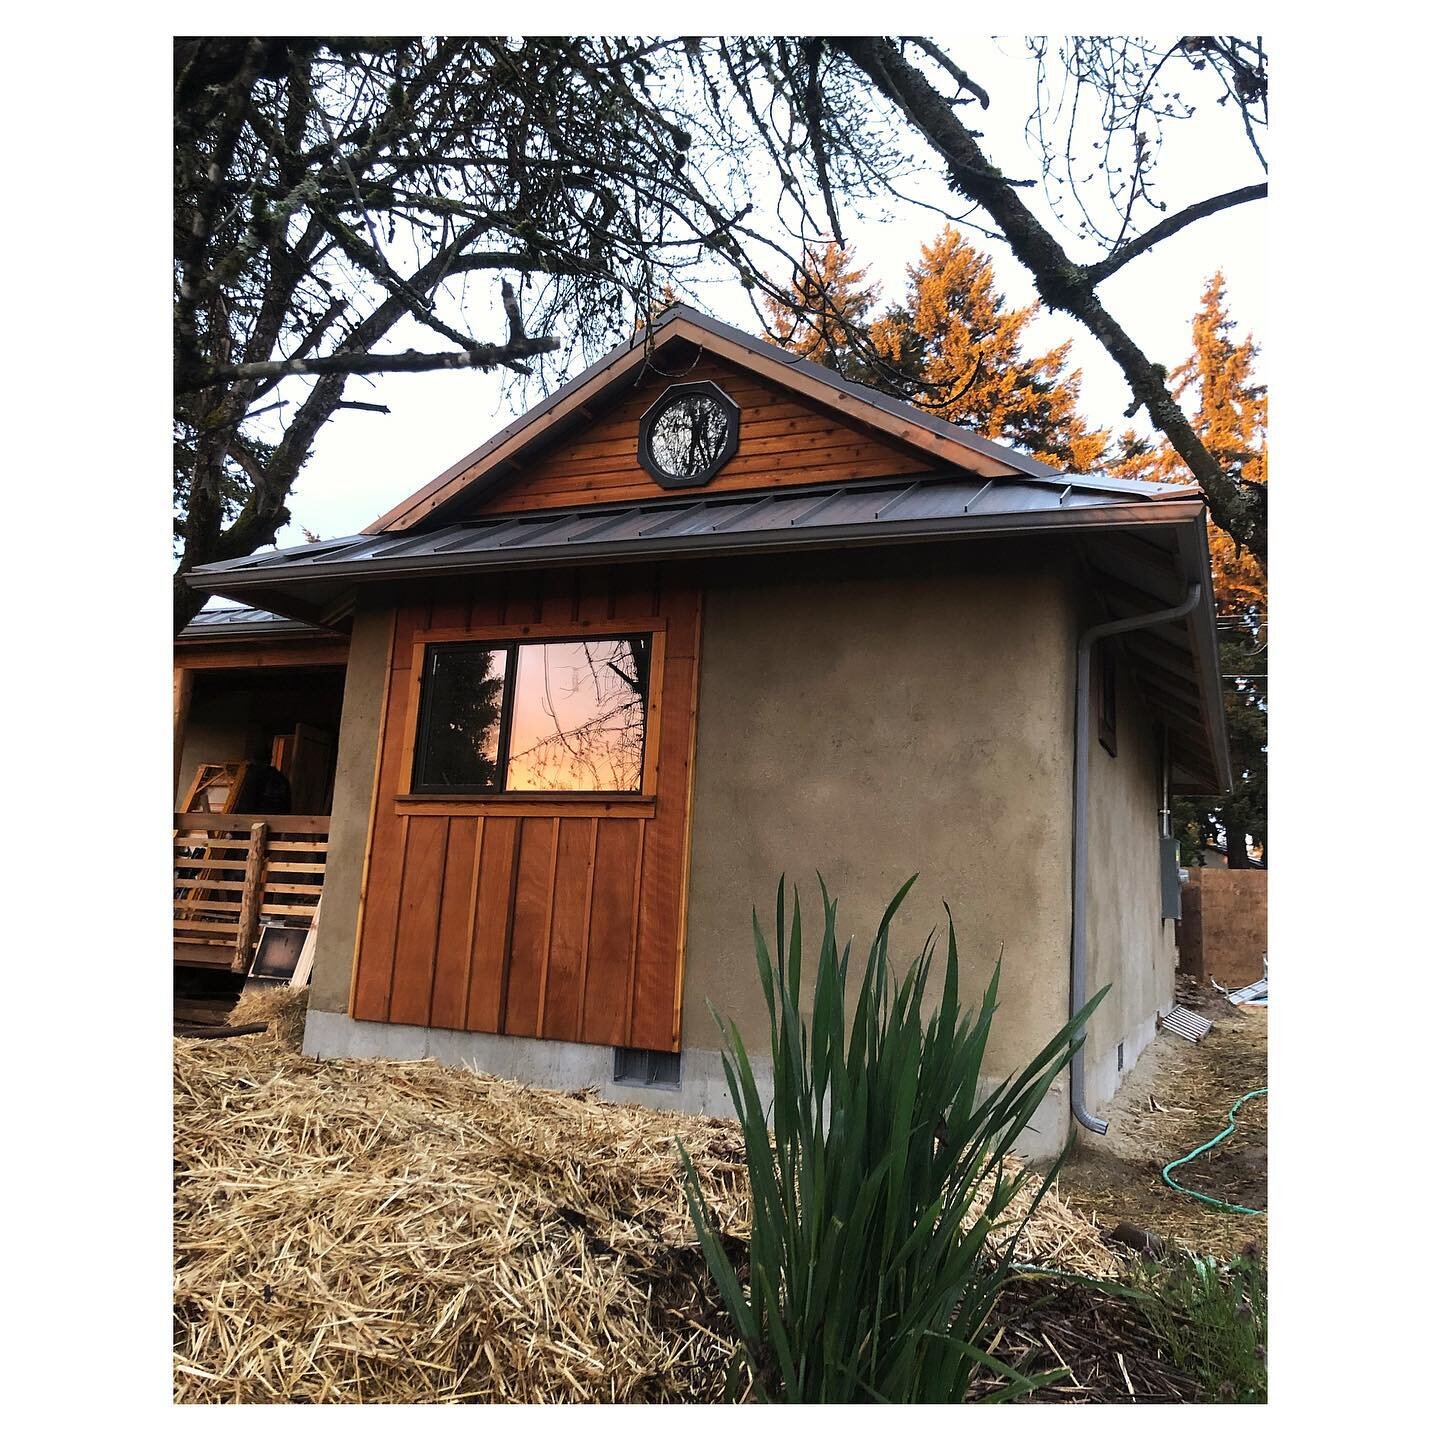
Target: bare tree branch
point(1103, 269)
point(478, 357)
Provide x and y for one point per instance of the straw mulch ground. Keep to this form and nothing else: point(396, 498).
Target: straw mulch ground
point(277, 1006)
point(1177, 1097)
point(1101, 1344)
point(399, 1231)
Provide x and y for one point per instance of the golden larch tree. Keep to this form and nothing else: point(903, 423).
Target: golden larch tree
point(1228, 409)
point(826, 311)
point(955, 335)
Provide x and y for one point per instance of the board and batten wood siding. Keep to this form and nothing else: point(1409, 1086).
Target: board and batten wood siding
point(784, 440)
point(554, 916)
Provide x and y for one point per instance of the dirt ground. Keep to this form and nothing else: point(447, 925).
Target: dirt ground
point(1177, 1097)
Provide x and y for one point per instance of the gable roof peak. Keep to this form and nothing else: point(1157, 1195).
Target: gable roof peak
point(481, 471)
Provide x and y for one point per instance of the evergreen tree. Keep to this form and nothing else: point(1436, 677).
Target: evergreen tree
point(1229, 415)
point(965, 349)
point(952, 347)
point(826, 318)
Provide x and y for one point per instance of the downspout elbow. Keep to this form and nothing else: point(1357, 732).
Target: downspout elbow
point(1084, 739)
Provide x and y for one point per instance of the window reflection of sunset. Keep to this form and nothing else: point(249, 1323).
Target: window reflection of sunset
point(578, 718)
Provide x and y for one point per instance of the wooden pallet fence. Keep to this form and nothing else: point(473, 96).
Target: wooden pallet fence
point(235, 872)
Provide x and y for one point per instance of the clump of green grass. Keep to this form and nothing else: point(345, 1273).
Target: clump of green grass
point(1211, 1316)
point(868, 1273)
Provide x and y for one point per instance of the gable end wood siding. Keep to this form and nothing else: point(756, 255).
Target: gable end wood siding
point(552, 916)
point(784, 440)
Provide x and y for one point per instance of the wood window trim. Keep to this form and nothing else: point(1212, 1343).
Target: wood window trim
point(576, 803)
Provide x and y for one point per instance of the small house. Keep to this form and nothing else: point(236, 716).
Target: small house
point(708, 614)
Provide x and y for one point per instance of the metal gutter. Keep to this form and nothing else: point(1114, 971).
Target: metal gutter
point(1079, 852)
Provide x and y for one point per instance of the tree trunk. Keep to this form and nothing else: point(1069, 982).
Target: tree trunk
point(1237, 856)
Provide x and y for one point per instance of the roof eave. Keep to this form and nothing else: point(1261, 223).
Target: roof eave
point(401, 567)
point(1205, 644)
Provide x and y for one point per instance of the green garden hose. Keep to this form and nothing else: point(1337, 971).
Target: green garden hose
point(1210, 1145)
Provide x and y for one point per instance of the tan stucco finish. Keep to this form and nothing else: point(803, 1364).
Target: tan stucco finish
point(870, 717)
point(1131, 948)
point(350, 812)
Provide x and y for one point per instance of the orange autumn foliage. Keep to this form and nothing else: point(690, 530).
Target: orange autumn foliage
point(955, 334)
point(826, 301)
point(952, 347)
point(1229, 414)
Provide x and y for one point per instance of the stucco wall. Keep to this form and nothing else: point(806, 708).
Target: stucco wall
point(350, 811)
point(1131, 948)
point(913, 718)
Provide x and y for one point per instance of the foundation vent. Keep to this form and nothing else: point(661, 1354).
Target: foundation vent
point(657, 1068)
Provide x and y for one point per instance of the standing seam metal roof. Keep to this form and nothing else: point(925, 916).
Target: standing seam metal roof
point(910, 507)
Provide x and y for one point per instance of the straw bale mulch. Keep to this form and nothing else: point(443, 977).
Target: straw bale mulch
point(277, 1006)
point(399, 1231)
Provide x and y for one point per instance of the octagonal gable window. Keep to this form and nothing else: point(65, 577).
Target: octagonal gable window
point(688, 434)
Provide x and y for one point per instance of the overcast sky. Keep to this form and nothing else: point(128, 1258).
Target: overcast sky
point(364, 463)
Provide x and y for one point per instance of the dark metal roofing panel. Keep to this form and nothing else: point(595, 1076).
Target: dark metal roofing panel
point(236, 620)
point(839, 514)
point(236, 615)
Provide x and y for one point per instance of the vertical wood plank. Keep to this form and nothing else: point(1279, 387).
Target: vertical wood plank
point(418, 923)
point(370, 989)
point(635, 901)
point(524, 598)
point(613, 906)
point(654, 1024)
point(562, 988)
point(367, 862)
point(560, 597)
point(371, 997)
point(184, 689)
point(250, 897)
point(593, 596)
point(635, 592)
point(450, 989)
point(530, 926)
point(494, 913)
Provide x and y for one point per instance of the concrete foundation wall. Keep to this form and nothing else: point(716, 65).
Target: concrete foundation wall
point(350, 811)
point(560, 1065)
point(1131, 948)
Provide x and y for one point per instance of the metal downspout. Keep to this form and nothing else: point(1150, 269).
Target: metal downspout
point(1084, 741)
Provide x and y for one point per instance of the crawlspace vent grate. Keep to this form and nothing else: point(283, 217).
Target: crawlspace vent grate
point(1186, 1023)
